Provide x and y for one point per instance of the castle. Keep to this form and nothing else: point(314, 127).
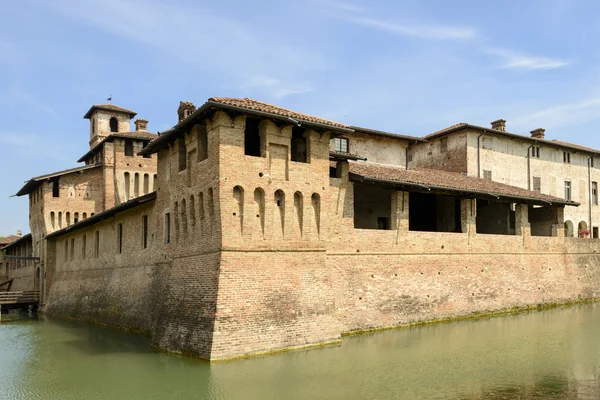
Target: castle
point(249, 228)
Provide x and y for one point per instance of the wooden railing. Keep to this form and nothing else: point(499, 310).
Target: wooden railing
point(25, 297)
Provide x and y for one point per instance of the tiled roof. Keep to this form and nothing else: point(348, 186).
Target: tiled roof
point(553, 143)
point(141, 135)
point(255, 105)
point(386, 134)
point(340, 155)
point(109, 107)
point(5, 241)
point(16, 241)
point(447, 129)
point(575, 145)
point(450, 181)
point(33, 183)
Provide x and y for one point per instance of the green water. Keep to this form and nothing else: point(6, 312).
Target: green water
point(552, 354)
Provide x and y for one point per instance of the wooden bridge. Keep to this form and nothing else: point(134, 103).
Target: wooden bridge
point(19, 299)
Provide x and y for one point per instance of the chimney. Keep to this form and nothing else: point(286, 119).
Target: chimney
point(185, 109)
point(19, 233)
point(141, 124)
point(538, 133)
point(499, 125)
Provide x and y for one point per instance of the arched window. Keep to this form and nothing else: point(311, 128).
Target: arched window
point(568, 229)
point(298, 204)
point(316, 206)
point(136, 185)
point(184, 224)
point(114, 125)
point(238, 195)
point(127, 185)
point(280, 207)
point(259, 204)
point(192, 210)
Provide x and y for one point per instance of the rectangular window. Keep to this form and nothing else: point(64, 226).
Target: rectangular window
point(535, 151)
point(595, 232)
point(595, 193)
point(145, 231)
point(537, 184)
point(182, 154)
point(128, 147)
point(567, 190)
point(340, 145)
point(55, 188)
point(443, 145)
point(66, 250)
point(487, 175)
point(83, 246)
point(144, 145)
point(97, 246)
point(566, 157)
point(409, 155)
point(167, 228)
point(72, 249)
point(120, 238)
point(252, 146)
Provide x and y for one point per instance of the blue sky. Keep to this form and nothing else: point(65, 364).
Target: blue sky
point(409, 67)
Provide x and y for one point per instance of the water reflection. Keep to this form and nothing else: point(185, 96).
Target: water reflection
point(552, 354)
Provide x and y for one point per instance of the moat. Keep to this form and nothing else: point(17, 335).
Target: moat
point(552, 354)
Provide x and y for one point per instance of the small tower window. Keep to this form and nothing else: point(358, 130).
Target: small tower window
point(114, 125)
point(252, 138)
point(298, 145)
point(128, 147)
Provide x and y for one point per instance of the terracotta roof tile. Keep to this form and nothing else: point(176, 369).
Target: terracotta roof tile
point(447, 129)
point(109, 107)
point(5, 241)
point(255, 105)
point(448, 180)
point(575, 145)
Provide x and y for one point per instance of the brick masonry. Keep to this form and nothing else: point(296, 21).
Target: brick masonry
point(262, 255)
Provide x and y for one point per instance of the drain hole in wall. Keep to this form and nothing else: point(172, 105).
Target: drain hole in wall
point(439, 273)
point(257, 216)
point(372, 276)
point(427, 295)
point(442, 247)
point(140, 165)
point(260, 174)
point(233, 213)
point(357, 250)
point(421, 273)
point(395, 274)
point(481, 270)
point(539, 288)
point(549, 269)
point(360, 298)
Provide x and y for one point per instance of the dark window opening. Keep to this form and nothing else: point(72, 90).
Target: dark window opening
point(128, 147)
point(145, 231)
point(182, 154)
point(55, 188)
point(566, 157)
point(202, 143)
point(114, 125)
point(595, 232)
point(595, 193)
point(252, 138)
point(371, 206)
point(144, 145)
point(97, 247)
point(494, 218)
point(168, 227)
point(340, 145)
point(542, 220)
point(567, 190)
point(434, 213)
point(120, 238)
point(298, 148)
point(383, 223)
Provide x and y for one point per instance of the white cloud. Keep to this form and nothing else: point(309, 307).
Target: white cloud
point(194, 35)
point(437, 32)
point(511, 59)
point(341, 5)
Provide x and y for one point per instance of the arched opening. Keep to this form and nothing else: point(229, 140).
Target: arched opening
point(184, 216)
point(569, 232)
point(192, 210)
point(146, 183)
point(280, 207)
point(114, 125)
point(176, 215)
point(127, 185)
point(136, 184)
point(238, 195)
point(298, 205)
point(52, 219)
point(259, 204)
point(582, 230)
point(211, 205)
point(201, 206)
point(316, 208)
